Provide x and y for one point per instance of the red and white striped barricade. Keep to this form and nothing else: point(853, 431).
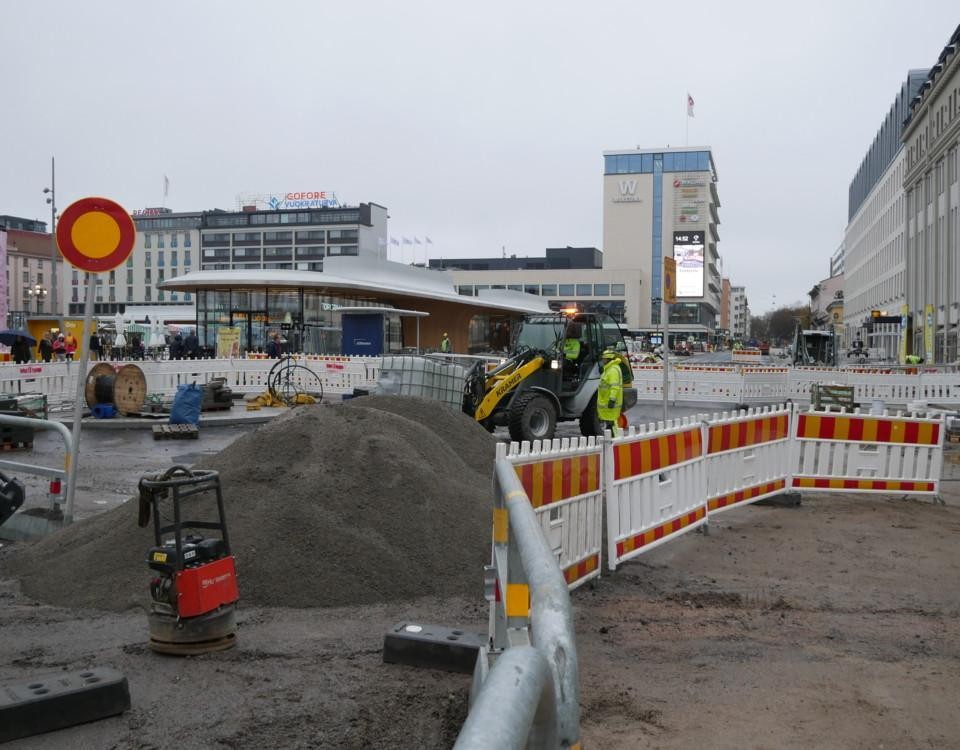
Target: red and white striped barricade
point(746, 356)
point(867, 453)
point(712, 385)
point(655, 482)
point(747, 457)
point(562, 480)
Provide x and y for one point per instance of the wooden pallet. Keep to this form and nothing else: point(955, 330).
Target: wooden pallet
point(175, 432)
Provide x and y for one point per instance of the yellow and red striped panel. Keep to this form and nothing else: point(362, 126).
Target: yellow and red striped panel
point(650, 536)
point(867, 429)
point(548, 482)
point(882, 485)
point(644, 455)
point(725, 437)
point(581, 569)
point(749, 493)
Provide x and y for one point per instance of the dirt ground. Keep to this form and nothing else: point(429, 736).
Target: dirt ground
point(835, 624)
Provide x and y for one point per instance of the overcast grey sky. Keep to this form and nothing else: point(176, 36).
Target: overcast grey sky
point(480, 126)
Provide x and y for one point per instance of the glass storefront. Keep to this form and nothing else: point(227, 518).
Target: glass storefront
point(307, 319)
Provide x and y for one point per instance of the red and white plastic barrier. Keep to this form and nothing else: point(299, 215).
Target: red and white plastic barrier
point(655, 484)
point(842, 452)
point(747, 457)
point(562, 479)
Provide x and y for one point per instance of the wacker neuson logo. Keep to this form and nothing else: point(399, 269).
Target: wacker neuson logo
point(628, 192)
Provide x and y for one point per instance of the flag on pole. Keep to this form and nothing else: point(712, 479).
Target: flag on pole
point(429, 241)
point(689, 105)
point(406, 241)
point(394, 241)
point(416, 241)
point(166, 186)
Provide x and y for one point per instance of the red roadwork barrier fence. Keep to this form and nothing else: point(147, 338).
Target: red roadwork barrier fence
point(562, 481)
point(867, 453)
point(655, 484)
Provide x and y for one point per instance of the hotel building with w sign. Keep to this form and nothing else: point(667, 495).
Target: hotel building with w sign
point(656, 202)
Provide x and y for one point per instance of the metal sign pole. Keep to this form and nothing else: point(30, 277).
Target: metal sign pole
point(79, 399)
point(665, 348)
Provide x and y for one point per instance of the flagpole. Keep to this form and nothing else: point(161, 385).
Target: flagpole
point(686, 137)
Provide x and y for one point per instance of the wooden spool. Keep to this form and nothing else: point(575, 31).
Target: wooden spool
point(100, 374)
point(129, 390)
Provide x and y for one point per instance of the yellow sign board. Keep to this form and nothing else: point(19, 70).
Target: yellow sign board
point(904, 330)
point(928, 330)
point(228, 342)
point(669, 280)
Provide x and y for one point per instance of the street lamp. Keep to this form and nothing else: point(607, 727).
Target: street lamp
point(51, 194)
point(38, 292)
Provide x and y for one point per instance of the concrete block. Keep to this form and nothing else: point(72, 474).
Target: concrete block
point(432, 647)
point(56, 701)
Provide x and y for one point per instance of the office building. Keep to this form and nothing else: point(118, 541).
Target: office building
point(659, 202)
point(565, 276)
point(873, 260)
point(739, 313)
point(655, 202)
point(28, 261)
point(931, 185)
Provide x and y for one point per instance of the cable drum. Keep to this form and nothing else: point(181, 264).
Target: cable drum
point(125, 388)
point(99, 386)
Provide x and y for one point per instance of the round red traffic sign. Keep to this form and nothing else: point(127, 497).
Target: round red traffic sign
point(95, 234)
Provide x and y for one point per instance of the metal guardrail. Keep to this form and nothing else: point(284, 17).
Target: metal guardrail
point(45, 471)
point(511, 708)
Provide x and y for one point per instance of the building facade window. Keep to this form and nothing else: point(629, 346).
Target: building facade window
point(146, 239)
point(186, 239)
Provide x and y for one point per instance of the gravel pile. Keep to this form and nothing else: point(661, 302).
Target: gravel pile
point(381, 498)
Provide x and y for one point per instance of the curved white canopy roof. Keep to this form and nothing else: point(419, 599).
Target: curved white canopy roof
point(362, 275)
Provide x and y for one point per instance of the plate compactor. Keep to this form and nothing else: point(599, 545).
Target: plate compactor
point(194, 596)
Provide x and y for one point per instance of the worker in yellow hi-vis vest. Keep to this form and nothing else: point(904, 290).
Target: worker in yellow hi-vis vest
point(610, 393)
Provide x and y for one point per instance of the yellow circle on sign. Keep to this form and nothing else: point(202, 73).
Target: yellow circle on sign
point(95, 234)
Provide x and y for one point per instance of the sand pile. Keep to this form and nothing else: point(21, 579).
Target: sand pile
point(382, 498)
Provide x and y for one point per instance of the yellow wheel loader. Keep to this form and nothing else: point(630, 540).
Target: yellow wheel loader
point(552, 376)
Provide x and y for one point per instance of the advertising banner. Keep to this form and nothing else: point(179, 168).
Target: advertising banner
point(228, 342)
point(904, 330)
point(669, 281)
point(688, 253)
point(929, 326)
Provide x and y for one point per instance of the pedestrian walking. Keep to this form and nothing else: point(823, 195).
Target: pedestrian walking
point(45, 348)
point(20, 351)
point(445, 345)
point(59, 348)
point(95, 346)
point(70, 345)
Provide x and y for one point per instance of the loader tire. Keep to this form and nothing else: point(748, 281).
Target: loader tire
point(532, 417)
